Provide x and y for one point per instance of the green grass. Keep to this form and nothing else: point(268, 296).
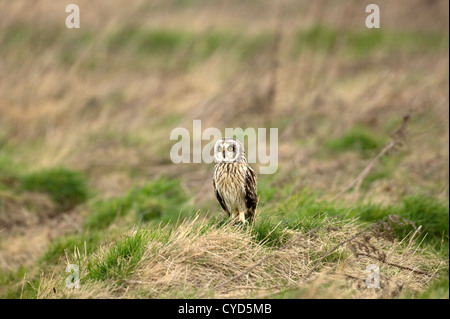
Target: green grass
point(8, 173)
point(37, 39)
point(17, 34)
point(159, 200)
point(86, 242)
point(117, 259)
point(384, 170)
point(66, 187)
point(303, 210)
point(120, 259)
point(316, 39)
point(166, 48)
point(437, 290)
point(11, 282)
point(18, 283)
point(182, 49)
point(363, 42)
point(147, 41)
point(358, 139)
point(72, 45)
point(269, 232)
point(431, 213)
point(179, 48)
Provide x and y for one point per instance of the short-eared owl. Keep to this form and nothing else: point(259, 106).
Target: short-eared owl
point(234, 181)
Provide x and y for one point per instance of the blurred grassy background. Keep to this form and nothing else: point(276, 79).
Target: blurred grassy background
point(86, 115)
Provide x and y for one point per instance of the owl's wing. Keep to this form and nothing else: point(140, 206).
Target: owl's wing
point(219, 198)
point(251, 195)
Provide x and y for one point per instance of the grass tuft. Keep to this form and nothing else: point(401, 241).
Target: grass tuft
point(357, 139)
point(159, 200)
point(67, 188)
point(119, 260)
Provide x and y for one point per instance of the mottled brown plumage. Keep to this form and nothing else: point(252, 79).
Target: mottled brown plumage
point(235, 182)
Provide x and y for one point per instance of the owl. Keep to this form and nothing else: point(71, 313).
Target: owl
point(234, 180)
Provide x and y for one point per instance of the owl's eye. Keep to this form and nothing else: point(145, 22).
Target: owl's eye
point(230, 148)
point(219, 149)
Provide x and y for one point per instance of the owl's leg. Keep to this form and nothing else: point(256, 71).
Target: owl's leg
point(242, 217)
point(250, 216)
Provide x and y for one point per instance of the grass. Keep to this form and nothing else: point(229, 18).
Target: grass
point(197, 248)
point(303, 210)
point(66, 187)
point(385, 168)
point(87, 241)
point(431, 213)
point(96, 106)
point(8, 173)
point(153, 42)
point(37, 39)
point(118, 261)
point(180, 48)
point(159, 200)
point(10, 282)
point(362, 43)
point(129, 256)
point(39, 195)
point(358, 139)
point(113, 259)
point(438, 290)
point(192, 258)
point(267, 233)
point(19, 34)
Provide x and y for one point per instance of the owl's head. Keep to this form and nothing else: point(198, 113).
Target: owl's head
point(229, 150)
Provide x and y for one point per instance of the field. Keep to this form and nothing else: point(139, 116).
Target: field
point(86, 178)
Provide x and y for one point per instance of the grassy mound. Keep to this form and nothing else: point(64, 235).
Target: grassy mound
point(201, 259)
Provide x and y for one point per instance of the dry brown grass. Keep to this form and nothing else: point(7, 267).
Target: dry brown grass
point(214, 262)
point(30, 222)
point(29, 209)
point(113, 121)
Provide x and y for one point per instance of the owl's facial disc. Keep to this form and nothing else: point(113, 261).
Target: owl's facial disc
point(226, 150)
